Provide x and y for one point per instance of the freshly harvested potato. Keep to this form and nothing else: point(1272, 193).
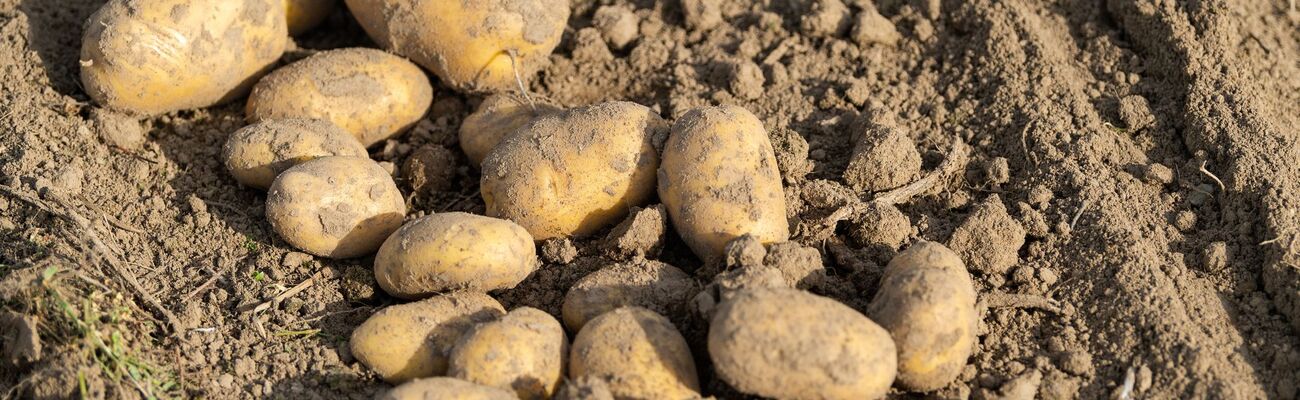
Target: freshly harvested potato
point(373, 94)
point(443, 388)
point(791, 344)
point(638, 352)
point(302, 15)
point(573, 173)
point(151, 57)
point(719, 180)
point(657, 286)
point(927, 303)
point(525, 352)
point(451, 251)
point(468, 43)
point(257, 153)
point(497, 116)
point(336, 207)
point(413, 340)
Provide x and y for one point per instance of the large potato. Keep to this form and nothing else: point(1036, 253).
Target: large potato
point(155, 56)
point(927, 303)
point(373, 94)
point(719, 180)
point(660, 287)
point(452, 251)
point(302, 15)
point(525, 352)
point(257, 153)
point(639, 353)
point(443, 388)
point(467, 43)
point(413, 340)
point(791, 344)
point(336, 207)
point(573, 173)
point(498, 115)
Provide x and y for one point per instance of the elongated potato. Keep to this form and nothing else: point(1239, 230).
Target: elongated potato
point(719, 180)
point(639, 353)
point(453, 251)
point(373, 94)
point(659, 287)
point(573, 173)
point(151, 57)
point(524, 352)
point(498, 115)
point(413, 340)
point(927, 303)
point(336, 207)
point(791, 344)
point(443, 388)
point(302, 15)
point(257, 153)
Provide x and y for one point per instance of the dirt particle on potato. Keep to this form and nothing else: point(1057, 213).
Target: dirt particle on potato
point(430, 169)
point(1135, 112)
point(642, 233)
point(869, 27)
point(559, 250)
point(989, 240)
point(884, 158)
point(826, 18)
point(702, 15)
point(617, 24)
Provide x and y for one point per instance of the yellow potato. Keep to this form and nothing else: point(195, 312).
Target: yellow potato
point(370, 93)
point(336, 207)
point(468, 43)
point(719, 180)
point(525, 352)
point(302, 15)
point(576, 172)
point(413, 340)
point(454, 251)
point(927, 303)
point(443, 388)
point(497, 116)
point(660, 287)
point(151, 57)
point(791, 344)
point(638, 352)
point(257, 153)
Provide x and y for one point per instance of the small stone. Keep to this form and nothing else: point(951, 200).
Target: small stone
point(559, 251)
point(1158, 174)
point(1216, 256)
point(870, 28)
point(747, 80)
point(702, 15)
point(1184, 221)
point(295, 259)
point(1135, 112)
point(617, 24)
point(118, 130)
point(989, 240)
point(827, 18)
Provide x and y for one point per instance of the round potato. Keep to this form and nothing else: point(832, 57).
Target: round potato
point(497, 116)
point(524, 352)
point(370, 93)
point(302, 15)
point(413, 340)
point(149, 57)
point(468, 43)
point(452, 251)
point(927, 303)
point(719, 180)
point(791, 344)
point(335, 207)
point(660, 287)
point(257, 153)
point(573, 173)
point(443, 388)
point(638, 352)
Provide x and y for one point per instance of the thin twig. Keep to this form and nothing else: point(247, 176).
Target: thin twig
point(1077, 214)
point(280, 297)
point(212, 280)
point(327, 315)
point(1222, 187)
point(1011, 300)
point(519, 80)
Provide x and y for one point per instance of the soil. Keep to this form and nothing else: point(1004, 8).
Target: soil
point(1145, 148)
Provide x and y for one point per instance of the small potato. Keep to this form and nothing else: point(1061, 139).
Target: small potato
point(257, 153)
point(370, 93)
point(525, 352)
point(660, 287)
point(468, 43)
point(573, 173)
point(719, 180)
point(452, 251)
point(413, 340)
point(791, 344)
point(302, 15)
point(443, 388)
point(638, 352)
point(500, 114)
point(149, 57)
point(927, 303)
point(336, 207)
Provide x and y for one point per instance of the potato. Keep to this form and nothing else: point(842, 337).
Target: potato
point(302, 15)
point(638, 352)
point(525, 352)
point(335, 207)
point(257, 153)
point(149, 57)
point(791, 344)
point(413, 340)
point(467, 43)
point(573, 173)
point(451, 251)
point(497, 116)
point(373, 94)
point(719, 180)
point(443, 388)
point(927, 303)
point(660, 287)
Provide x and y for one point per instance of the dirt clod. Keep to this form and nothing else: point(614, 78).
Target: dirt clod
point(617, 24)
point(884, 158)
point(430, 169)
point(989, 240)
point(559, 251)
point(1135, 112)
point(869, 27)
point(641, 233)
point(702, 14)
point(117, 129)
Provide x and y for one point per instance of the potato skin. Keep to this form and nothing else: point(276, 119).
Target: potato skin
point(654, 285)
point(149, 57)
point(413, 340)
point(498, 115)
point(454, 251)
point(257, 153)
point(927, 303)
point(719, 180)
point(336, 207)
point(303, 15)
point(525, 352)
point(465, 43)
point(576, 172)
point(638, 352)
point(443, 388)
point(373, 94)
point(791, 344)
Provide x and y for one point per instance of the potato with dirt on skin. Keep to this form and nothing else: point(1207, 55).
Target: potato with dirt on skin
point(454, 251)
point(444, 388)
point(257, 153)
point(638, 352)
point(150, 57)
point(927, 303)
point(524, 351)
point(654, 285)
point(335, 207)
point(370, 93)
point(413, 340)
point(498, 115)
point(302, 15)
